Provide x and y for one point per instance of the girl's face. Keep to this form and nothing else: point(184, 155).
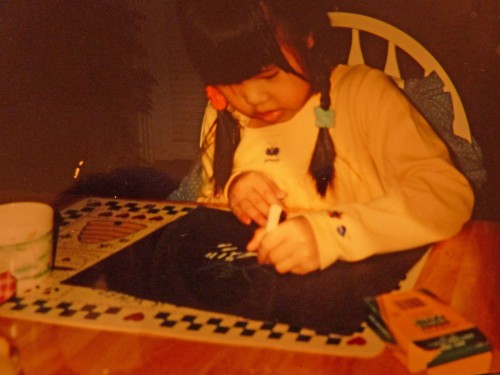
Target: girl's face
point(272, 96)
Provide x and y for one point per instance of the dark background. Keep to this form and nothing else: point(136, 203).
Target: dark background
point(73, 83)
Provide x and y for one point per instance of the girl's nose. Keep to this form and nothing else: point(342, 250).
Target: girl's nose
point(254, 93)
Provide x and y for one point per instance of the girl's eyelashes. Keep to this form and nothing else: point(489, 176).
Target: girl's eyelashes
point(268, 72)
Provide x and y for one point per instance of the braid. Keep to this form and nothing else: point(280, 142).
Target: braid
point(227, 138)
point(321, 166)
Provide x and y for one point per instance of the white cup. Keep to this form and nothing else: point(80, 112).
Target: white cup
point(26, 242)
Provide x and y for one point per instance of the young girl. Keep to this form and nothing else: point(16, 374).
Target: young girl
point(357, 169)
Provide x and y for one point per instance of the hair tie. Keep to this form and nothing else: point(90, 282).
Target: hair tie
point(217, 99)
point(324, 118)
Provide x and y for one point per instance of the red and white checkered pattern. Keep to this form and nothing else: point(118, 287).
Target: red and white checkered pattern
point(7, 286)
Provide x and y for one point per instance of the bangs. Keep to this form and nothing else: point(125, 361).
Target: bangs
point(232, 43)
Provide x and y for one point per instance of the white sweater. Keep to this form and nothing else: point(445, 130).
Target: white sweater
point(395, 187)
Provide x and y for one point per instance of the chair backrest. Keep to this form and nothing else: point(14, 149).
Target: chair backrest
point(399, 39)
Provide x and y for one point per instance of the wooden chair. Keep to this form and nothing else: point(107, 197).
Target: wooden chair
point(399, 39)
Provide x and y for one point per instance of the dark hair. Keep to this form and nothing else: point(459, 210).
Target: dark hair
point(229, 41)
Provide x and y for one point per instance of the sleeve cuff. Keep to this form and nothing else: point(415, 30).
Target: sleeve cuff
point(328, 249)
point(340, 236)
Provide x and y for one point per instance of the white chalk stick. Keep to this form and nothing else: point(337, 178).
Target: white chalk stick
point(273, 218)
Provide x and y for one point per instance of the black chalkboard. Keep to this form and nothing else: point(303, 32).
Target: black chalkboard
point(200, 261)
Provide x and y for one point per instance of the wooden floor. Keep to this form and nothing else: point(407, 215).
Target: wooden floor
point(462, 272)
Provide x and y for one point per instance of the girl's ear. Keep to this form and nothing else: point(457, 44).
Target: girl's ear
point(216, 97)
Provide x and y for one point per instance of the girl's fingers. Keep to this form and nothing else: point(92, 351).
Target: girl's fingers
point(254, 243)
point(260, 237)
point(248, 210)
point(252, 209)
point(279, 256)
point(287, 255)
point(273, 194)
point(250, 196)
point(242, 216)
point(293, 265)
point(270, 249)
point(285, 266)
point(262, 209)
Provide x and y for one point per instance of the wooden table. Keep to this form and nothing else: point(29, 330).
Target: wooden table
point(462, 271)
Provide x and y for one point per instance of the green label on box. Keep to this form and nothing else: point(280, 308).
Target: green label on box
point(455, 346)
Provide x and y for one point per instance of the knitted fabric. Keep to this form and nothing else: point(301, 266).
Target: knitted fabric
point(428, 97)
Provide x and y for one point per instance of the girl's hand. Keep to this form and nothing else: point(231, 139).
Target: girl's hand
point(250, 196)
point(291, 247)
